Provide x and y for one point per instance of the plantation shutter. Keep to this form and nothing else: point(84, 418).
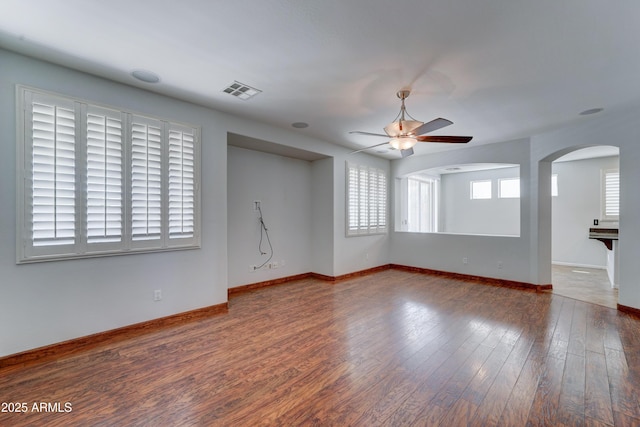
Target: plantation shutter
point(363, 199)
point(366, 200)
point(104, 184)
point(611, 194)
point(53, 162)
point(95, 180)
point(352, 199)
point(146, 179)
point(380, 193)
point(181, 182)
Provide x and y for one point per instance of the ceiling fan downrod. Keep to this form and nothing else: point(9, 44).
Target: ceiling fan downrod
point(402, 94)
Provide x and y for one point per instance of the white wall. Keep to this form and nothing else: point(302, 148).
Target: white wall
point(322, 217)
point(49, 302)
point(46, 303)
point(283, 186)
point(528, 258)
point(618, 128)
point(356, 253)
point(314, 203)
point(441, 251)
point(495, 216)
point(575, 208)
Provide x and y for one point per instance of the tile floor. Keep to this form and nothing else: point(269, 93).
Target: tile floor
point(584, 284)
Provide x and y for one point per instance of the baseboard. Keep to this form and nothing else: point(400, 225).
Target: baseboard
point(629, 310)
point(478, 279)
point(360, 273)
point(373, 270)
point(252, 286)
point(65, 348)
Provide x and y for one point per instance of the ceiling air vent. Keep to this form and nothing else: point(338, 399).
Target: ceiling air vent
point(241, 90)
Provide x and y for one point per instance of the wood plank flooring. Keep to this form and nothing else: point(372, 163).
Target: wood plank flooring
point(395, 348)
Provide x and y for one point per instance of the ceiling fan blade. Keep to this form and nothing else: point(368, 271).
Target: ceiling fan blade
point(368, 133)
point(444, 138)
point(432, 125)
point(406, 153)
point(367, 148)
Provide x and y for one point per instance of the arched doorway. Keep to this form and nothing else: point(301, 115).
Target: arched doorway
point(582, 200)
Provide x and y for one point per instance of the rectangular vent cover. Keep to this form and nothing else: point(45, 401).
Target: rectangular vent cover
point(241, 90)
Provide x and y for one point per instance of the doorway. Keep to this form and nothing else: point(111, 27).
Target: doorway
point(581, 266)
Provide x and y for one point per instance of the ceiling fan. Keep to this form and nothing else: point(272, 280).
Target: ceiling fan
point(405, 133)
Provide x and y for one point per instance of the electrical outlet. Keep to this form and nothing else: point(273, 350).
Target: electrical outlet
point(253, 268)
point(157, 295)
point(465, 260)
point(274, 264)
point(500, 265)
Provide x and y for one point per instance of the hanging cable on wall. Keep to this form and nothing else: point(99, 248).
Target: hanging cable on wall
point(263, 232)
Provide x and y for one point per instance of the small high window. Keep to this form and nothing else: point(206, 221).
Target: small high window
point(481, 190)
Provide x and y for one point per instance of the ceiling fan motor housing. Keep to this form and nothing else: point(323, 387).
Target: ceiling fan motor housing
point(403, 94)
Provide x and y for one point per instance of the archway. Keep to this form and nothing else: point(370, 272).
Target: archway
point(576, 199)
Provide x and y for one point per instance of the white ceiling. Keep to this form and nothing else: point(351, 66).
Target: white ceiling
point(499, 69)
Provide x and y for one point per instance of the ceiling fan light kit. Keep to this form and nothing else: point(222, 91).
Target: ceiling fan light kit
point(405, 134)
point(403, 142)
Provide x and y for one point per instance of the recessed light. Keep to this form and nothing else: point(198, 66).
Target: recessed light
point(300, 125)
point(145, 76)
point(453, 169)
point(591, 111)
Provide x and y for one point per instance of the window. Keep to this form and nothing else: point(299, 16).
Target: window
point(95, 180)
point(509, 188)
point(611, 194)
point(554, 185)
point(366, 200)
point(422, 197)
point(480, 190)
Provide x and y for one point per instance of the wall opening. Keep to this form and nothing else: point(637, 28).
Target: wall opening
point(583, 267)
point(470, 199)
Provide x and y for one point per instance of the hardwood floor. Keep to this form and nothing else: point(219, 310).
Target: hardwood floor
point(394, 348)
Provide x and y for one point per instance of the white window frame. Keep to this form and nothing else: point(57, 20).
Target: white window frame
point(610, 194)
point(82, 246)
point(366, 200)
point(426, 215)
point(501, 192)
point(472, 194)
